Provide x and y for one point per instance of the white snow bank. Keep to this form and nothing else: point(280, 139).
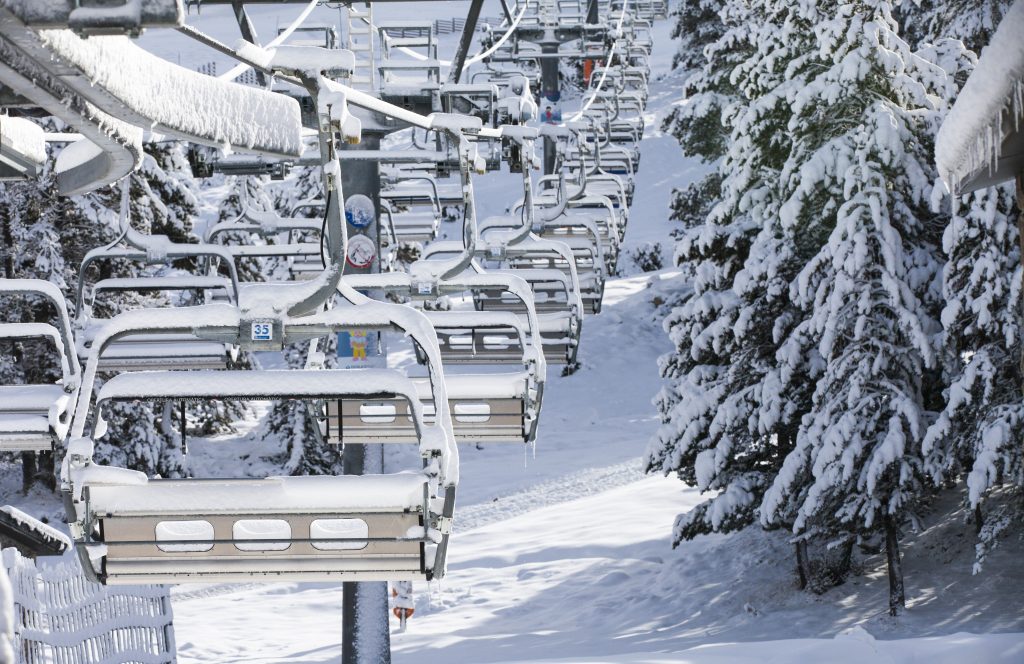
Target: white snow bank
point(23, 138)
point(988, 109)
point(177, 101)
point(853, 646)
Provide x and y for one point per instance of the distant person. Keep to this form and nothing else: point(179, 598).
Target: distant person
point(552, 115)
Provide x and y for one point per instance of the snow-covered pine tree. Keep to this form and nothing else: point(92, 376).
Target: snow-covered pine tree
point(863, 177)
point(971, 21)
point(698, 25)
point(245, 191)
point(161, 202)
point(711, 42)
point(724, 424)
point(304, 453)
point(977, 434)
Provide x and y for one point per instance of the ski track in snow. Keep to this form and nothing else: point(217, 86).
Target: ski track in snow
point(569, 487)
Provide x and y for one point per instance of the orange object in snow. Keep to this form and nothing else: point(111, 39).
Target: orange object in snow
point(398, 610)
point(588, 69)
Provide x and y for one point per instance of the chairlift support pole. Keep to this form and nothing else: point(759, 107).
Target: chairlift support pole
point(549, 86)
point(467, 39)
point(365, 625)
point(508, 12)
point(248, 33)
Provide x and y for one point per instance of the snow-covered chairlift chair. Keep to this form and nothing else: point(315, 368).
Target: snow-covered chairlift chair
point(132, 529)
point(295, 240)
point(36, 417)
point(487, 407)
point(180, 351)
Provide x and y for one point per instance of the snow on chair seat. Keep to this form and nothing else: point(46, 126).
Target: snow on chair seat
point(145, 351)
point(296, 528)
point(405, 192)
point(480, 337)
point(139, 352)
point(32, 417)
point(301, 247)
point(411, 225)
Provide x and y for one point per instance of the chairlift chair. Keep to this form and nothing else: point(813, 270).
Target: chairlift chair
point(132, 529)
point(36, 417)
point(181, 351)
point(294, 240)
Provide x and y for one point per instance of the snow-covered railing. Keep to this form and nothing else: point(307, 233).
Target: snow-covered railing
point(147, 91)
point(981, 141)
point(98, 17)
point(111, 149)
point(60, 616)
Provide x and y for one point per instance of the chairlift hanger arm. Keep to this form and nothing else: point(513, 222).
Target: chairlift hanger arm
point(352, 96)
point(459, 62)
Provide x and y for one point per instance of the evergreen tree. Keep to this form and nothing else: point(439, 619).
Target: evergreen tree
point(305, 453)
point(724, 423)
point(978, 432)
point(713, 36)
point(698, 25)
point(971, 21)
point(862, 168)
point(42, 236)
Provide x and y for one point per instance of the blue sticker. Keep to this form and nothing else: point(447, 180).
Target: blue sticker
point(359, 211)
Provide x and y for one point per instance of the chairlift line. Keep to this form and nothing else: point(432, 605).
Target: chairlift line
point(486, 304)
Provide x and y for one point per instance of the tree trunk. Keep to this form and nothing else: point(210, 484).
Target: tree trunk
point(897, 596)
point(803, 564)
point(47, 473)
point(1020, 238)
point(846, 559)
point(28, 471)
point(979, 519)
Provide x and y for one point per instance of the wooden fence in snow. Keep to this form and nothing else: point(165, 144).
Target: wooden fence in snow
point(63, 618)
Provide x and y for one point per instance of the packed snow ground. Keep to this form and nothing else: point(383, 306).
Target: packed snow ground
point(564, 555)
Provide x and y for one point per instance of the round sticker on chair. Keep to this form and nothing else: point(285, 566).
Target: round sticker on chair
point(359, 211)
point(361, 251)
